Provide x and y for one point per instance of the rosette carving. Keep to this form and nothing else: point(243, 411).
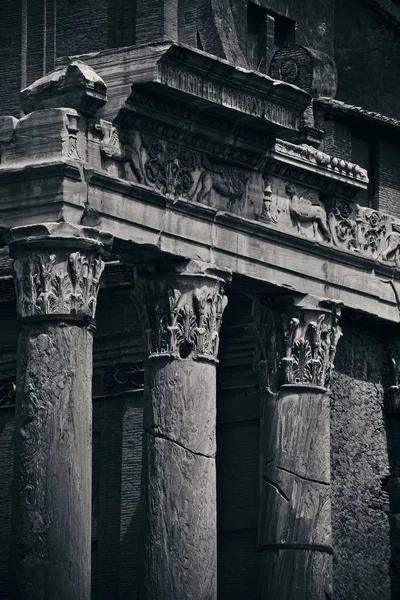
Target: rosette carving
point(180, 319)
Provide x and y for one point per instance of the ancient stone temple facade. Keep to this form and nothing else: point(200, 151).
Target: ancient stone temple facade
point(200, 300)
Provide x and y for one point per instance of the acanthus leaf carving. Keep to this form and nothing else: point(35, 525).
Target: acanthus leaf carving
point(62, 283)
point(310, 337)
point(180, 323)
point(297, 346)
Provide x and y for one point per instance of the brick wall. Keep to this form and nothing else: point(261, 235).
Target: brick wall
point(237, 456)
point(360, 465)
point(388, 162)
point(55, 28)
point(10, 53)
point(367, 54)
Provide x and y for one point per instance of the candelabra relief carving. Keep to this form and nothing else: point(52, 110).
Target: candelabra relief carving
point(296, 346)
point(57, 283)
point(178, 322)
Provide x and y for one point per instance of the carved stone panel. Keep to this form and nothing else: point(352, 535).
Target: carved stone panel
point(174, 170)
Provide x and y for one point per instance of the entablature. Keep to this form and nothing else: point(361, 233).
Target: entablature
point(197, 186)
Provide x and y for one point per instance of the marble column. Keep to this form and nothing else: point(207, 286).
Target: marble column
point(181, 311)
point(296, 344)
point(57, 269)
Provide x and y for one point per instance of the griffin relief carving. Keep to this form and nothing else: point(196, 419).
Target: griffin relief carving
point(305, 210)
point(230, 183)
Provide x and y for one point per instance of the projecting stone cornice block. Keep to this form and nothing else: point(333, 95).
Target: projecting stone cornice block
point(201, 81)
point(74, 86)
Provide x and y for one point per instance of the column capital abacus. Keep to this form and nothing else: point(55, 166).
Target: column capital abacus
point(181, 309)
point(296, 339)
point(57, 269)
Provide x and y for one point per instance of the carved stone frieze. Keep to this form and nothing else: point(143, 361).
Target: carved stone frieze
point(181, 314)
point(295, 345)
point(168, 168)
point(56, 273)
point(229, 183)
point(365, 230)
point(175, 170)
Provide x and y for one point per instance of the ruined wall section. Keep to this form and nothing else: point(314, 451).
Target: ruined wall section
point(360, 464)
point(313, 21)
point(367, 50)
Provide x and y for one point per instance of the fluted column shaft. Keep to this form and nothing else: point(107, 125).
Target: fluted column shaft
point(296, 345)
point(181, 312)
point(57, 269)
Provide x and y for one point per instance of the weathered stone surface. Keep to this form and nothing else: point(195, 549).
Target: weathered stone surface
point(360, 466)
point(179, 480)
point(57, 268)
point(181, 311)
point(51, 516)
point(295, 350)
point(295, 575)
point(76, 86)
point(295, 506)
point(309, 69)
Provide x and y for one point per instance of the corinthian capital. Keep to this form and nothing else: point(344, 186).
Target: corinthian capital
point(181, 310)
point(57, 269)
point(296, 343)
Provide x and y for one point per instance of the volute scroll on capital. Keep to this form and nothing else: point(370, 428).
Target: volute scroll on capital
point(296, 344)
point(57, 269)
point(181, 312)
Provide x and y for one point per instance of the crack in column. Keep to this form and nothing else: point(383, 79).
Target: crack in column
point(168, 439)
point(276, 487)
point(303, 477)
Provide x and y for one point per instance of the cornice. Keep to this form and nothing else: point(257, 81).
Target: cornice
point(357, 112)
point(199, 80)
